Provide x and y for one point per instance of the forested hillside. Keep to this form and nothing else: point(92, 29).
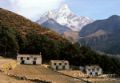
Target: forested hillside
point(20, 29)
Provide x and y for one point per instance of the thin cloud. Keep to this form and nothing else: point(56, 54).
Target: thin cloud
point(30, 8)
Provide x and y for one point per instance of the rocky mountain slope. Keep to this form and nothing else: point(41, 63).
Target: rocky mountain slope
point(53, 25)
point(103, 35)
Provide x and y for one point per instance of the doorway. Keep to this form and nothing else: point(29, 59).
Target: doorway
point(57, 67)
point(22, 62)
point(63, 67)
point(34, 62)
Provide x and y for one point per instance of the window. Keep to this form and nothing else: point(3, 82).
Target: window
point(27, 58)
point(65, 63)
point(60, 63)
point(90, 73)
point(89, 69)
point(21, 58)
point(54, 63)
point(97, 69)
point(35, 58)
point(93, 69)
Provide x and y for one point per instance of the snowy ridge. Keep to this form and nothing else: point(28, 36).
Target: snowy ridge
point(65, 17)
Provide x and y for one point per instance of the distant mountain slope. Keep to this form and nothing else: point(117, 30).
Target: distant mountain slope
point(110, 25)
point(53, 25)
point(66, 18)
point(72, 36)
point(103, 35)
point(64, 31)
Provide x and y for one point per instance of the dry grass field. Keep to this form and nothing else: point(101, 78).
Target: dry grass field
point(7, 79)
point(26, 73)
point(42, 73)
point(74, 73)
point(5, 65)
point(103, 80)
point(79, 74)
point(30, 72)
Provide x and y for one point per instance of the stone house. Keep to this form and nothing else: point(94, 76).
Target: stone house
point(93, 71)
point(59, 64)
point(29, 59)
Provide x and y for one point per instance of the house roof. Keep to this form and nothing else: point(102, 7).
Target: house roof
point(58, 61)
point(28, 55)
point(93, 66)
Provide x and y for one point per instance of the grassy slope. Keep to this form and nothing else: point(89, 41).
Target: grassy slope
point(23, 25)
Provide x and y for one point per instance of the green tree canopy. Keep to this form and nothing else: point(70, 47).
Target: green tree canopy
point(8, 43)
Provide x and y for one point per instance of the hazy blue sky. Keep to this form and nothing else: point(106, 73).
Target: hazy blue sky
point(96, 9)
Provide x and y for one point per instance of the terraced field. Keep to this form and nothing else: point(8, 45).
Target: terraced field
point(42, 73)
point(5, 64)
point(104, 80)
point(78, 74)
point(74, 73)
point(7, 79)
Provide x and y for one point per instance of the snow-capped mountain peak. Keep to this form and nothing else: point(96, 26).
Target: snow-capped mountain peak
point(65, 17)
point(64, 9)
point(64, 6)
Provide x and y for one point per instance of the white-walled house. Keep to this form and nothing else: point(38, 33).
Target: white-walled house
point(29, 59)
point(93, 71)
point(59, 64)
